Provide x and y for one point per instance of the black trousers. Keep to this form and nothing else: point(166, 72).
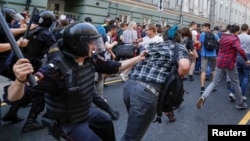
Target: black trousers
point(99, 127)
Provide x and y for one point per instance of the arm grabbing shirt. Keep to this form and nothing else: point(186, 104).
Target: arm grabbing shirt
point(158, 64)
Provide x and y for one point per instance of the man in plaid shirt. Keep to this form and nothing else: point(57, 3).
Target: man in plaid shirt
point(225, 63)
point(142, 89)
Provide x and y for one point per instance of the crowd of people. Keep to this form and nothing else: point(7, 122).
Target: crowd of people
point(72, 59)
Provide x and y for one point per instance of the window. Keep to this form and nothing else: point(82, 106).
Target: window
point(200, 5)
point(179, 2)
point(163, 23)
point(124, 18)
point(145, 20)
point(191, 4)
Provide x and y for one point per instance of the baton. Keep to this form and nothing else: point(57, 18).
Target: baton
point(14, 46)
point(30, 22)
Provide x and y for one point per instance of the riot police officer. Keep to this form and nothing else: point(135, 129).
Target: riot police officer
point(10, 16)
point(40, 40)
point(67, 81)
point(5, 48)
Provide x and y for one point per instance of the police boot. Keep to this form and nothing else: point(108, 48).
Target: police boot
point(114, 114)
point(11, 115)
point(31, 124)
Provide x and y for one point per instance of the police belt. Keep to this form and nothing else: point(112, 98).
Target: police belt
point(150, 88)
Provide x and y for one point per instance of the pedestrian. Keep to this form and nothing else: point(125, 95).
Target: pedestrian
point(243, 69)
point(189, 43)
point(67, 82)
point(207, 56)
point(225, 65)
point(194, 54)
point(141, 90)
point(129, 37)
point(150, 38)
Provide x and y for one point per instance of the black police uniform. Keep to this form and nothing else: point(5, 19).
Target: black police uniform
point(40, 39)
point(70, 104)
point(4, 69)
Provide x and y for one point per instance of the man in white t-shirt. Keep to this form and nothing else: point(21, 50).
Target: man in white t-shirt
point(193, 29)
point(151, 37)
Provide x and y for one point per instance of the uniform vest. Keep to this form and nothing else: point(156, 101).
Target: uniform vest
point(35, 48)
point(74, 104)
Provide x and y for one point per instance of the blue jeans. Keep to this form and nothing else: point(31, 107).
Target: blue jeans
point(198, 62)
point(141, 107)
point(243, 74)
point(208, 72)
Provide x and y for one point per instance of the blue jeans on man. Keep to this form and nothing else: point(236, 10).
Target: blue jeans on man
point(243, 74)
point(141, 106)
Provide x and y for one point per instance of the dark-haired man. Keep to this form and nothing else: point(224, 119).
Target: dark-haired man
point(207, 56)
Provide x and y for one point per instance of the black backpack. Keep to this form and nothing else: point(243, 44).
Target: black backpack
point(210, 42)
point(172, 93)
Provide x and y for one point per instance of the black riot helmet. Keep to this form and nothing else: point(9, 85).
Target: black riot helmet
point(77, 36)
point(46, 18)
point(11, 14)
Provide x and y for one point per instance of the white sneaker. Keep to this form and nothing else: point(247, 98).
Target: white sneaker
point(244, 98)
point(122, 75)
point(231, 96)
point(200, 102)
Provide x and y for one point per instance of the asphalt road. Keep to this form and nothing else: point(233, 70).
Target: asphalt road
point(191, 124)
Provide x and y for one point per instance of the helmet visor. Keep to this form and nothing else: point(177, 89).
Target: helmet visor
point(99, 44)
point(18, 17)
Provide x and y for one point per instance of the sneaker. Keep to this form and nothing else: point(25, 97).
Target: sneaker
point(231, 96)
point(202, 90)
point(207, 78)
point(244, 98)
point(122, 75)
point(12, 118)
point(191, 78)
point(31, 126)
point(170, 116)
point(105, 100)
point(241, 106)
point(200, 102)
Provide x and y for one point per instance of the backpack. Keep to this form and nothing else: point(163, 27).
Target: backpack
point(172, 93)
point(189, 44)
point(210, 42)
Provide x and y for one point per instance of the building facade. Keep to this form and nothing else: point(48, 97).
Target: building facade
point(171, 12)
